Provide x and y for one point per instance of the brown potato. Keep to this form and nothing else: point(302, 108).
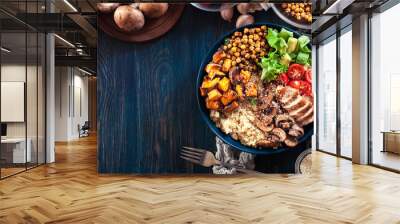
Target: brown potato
point(107, 7)
point(128, 19)
point(244, 20)
point(153, 10)
point(227, 14)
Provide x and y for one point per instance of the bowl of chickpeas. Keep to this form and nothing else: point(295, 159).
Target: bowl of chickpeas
point(295, 14)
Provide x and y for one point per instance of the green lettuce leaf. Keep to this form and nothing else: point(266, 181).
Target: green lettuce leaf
point(285, 34)
point(303, 58)
point(271, 68)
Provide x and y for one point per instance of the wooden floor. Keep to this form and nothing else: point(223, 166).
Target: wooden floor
point(70, 191)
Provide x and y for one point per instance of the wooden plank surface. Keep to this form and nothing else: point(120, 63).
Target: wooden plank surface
point(147, 107)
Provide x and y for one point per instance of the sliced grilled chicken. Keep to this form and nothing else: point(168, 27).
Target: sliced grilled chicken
point(299, 107)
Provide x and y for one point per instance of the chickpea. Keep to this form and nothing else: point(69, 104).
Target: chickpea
point(258, 30)
point(237, 54)
point(234, 45)
point(229, 45)
point(246, 30)
point(294, 7)
point(233, 63)
point(244, 41)
point(264, 28)
point(234, 49)
point(243, 46)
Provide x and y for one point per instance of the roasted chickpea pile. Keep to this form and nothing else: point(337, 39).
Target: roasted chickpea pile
point(300, 11)
point(246, 48)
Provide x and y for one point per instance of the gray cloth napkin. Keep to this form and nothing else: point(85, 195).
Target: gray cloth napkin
point(226, 154)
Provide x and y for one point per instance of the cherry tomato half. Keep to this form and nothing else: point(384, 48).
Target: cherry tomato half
point(296, 71)
point(295, 84)
point(305, 88)
point(308, 76)
point(284, 78)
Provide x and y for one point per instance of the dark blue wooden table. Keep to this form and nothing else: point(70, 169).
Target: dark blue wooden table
point(147, 106)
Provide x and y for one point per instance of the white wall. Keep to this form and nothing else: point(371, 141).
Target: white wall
point(71, 102)
point(33, 127)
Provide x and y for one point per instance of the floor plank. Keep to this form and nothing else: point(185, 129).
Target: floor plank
point(71, 191)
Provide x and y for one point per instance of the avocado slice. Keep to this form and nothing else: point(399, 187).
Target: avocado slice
point(292, 45)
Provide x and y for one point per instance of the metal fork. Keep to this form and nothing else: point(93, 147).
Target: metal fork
point(207, 159)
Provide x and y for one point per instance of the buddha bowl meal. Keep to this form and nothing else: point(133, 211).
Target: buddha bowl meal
point(257, 87)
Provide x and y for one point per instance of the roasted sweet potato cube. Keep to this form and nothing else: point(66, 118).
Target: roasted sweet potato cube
point(213, 67)
point(213, 105)
point(218, 56)
point(239, 90)
point(209, 84)
point(245, 76)
point(227, 65)
point(213, 73)
point(214, 95)
point(203, 92)
point(231, 107)
point(251, 90)
point(224, 84)
point(228, 97)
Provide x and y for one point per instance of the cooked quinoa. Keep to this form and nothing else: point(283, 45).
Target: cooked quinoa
point(239, 125)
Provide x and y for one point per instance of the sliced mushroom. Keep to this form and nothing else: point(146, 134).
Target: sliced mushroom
point(265, 143)
point(284, 121)
point(296, 131)
point(291, 141)
point(266, 128)
point(266, 119)
point(279, 133)
point(265, 101)
point(234, 75)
